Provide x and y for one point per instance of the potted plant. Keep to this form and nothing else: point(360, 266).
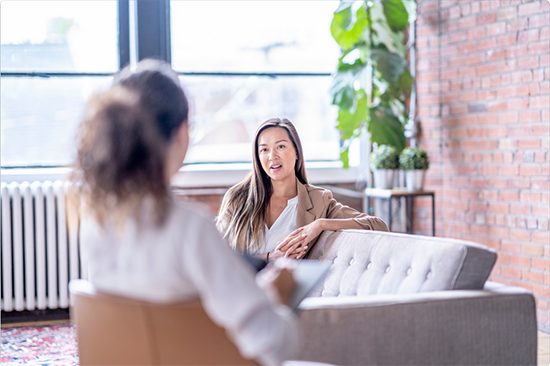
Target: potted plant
point(414, 161)
point(372, 83)
point(384, 161)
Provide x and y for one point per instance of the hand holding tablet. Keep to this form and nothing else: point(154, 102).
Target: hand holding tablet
point(306, 274)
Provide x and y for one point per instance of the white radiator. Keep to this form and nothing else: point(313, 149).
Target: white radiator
point(40, 251)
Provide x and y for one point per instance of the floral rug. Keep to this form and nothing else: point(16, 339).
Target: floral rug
point(44, 345)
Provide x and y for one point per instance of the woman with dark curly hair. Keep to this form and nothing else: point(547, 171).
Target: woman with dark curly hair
point(138, 242)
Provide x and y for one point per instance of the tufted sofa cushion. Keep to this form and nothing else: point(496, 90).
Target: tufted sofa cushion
point(373, 262)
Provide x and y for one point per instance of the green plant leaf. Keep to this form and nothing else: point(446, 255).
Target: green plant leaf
point(413, 158)
point(384, 157)
point(344, 98)
point(342, 15)
point(373, 60)
point(344, 156)
point(343, 6)
point(343, 87)
point(396, 14)
point(347, 27)
point(340, 23)
point(350, 120)
point(410, 5)
point(398, 110)
point(383, 34)
point(406, 81)
point(393, 41)
point(385, 128)
point(390, 65)
point(354, 68)
point(345, 123)
point(380, 86)
point(386, 96)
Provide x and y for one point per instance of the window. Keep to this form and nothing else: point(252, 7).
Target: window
point(53, 56)
point(253, 36)
point(46, 36)
point(267, 59)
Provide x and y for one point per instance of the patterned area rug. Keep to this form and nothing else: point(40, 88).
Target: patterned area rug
point(46, 345)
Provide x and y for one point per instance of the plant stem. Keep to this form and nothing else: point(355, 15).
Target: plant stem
point(369, 25)
point(369, 22)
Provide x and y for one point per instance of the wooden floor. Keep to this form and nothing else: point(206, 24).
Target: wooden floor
point(36, 323)
point(543, 358)
point(543, 349)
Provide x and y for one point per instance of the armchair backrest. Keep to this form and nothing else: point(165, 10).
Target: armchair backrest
point(115, 330)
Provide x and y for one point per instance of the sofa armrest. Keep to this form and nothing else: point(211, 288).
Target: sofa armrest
point(466, 327)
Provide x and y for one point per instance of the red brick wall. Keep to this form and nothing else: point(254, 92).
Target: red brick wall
point(483, 81)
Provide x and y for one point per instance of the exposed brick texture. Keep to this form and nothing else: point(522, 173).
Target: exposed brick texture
point(488, 76)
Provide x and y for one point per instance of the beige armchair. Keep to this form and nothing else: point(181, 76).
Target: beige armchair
point(113, 330)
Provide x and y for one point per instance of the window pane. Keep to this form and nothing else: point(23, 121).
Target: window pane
point(59, 36)
point(226, 111)
point(40, 117)
point(253, 36)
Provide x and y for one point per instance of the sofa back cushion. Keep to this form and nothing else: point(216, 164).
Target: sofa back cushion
point(374, 262)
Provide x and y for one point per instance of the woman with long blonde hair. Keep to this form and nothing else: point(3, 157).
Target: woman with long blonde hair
point(274, 212)
point(138, 242)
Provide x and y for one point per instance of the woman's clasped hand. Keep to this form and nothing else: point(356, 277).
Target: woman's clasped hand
point(296, 244)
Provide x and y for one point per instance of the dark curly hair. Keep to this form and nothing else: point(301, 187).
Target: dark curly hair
point(122, 143)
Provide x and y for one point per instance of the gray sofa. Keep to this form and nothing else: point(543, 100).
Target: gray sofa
point(397, 299)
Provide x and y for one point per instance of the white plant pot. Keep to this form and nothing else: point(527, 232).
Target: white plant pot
point(384, 178)
point(414, 180)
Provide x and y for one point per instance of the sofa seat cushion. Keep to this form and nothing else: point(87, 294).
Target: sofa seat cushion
point(373, 262)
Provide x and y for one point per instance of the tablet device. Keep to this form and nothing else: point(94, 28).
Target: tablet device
point(307, 274)
point(257, 263)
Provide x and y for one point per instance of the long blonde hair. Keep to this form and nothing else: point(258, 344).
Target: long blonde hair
point(122, 144)
point(241, 218)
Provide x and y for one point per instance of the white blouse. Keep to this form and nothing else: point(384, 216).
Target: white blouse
point(184, 259)
point(284, 225)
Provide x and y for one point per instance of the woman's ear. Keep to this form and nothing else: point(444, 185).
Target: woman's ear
point(183, 133)
point(182, 138)
point(179, 143)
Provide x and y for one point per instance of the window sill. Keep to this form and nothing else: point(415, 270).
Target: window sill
point(199, 175)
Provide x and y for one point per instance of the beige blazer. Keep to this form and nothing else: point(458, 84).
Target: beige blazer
point(317, 203)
